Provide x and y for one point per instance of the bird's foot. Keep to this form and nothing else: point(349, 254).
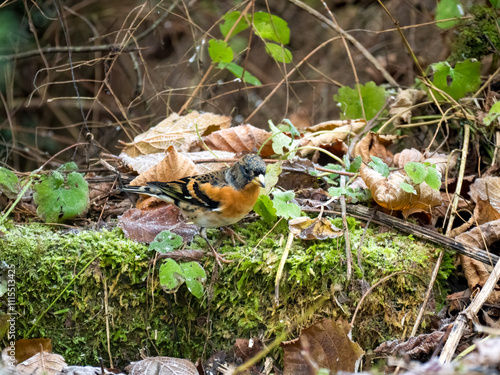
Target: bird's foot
point(220, 257)
point(230, 232)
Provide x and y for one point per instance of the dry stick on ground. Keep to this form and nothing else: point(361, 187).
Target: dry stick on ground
point(469, 313)
point(448, 229)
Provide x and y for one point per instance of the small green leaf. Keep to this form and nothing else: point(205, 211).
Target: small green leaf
point(493, 114)
point(495, 3)
point(59, 198)
point(279, 53)
point(373, 101)
point(379, 166)
point(433, 178)
point(9, 183)
point(408, 188)
point(281, 141)
point(284, 206)
point(355, 165)
point(458, 81)
point(166, 241)
point(291, 128)
point(229, 20)
point(238, 72)
point(220, 51)
point(416, 171)
point(195, 276)
point(171, 275)
point(448, 9)
point(68, 167)
point(271, 27)
point(265, 209)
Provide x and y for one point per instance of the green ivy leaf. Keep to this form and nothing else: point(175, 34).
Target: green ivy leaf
point(195, 276)
point(220, 51)
point(373, 101)
point(408, 188)
point(379, 166)
point(458, 81)
point(281, 141)
point(171, 275)
point(229, 20)
point(279, 53)
point(9, 183)
point(59, 198)
point(433, 178)
point(284, 206)
point(265, 209)
point(238, 71)
point(493, 114)
point(416, 171)
point(271, 27)
point(166, 241)
point(448, 9)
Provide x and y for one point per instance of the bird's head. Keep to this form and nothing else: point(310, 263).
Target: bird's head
point(249, 169)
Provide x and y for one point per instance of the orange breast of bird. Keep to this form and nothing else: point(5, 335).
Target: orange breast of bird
point(234, 205)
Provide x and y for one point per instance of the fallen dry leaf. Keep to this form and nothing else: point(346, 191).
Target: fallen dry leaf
point(209, 155)
point(240, 139)
point(42, 363)
point(27, 348)
point(177, 131)
point(327, 344)
point(374, 144)
point(246, 349)
point(162, 366)
point(173, 167)
point(415, 347)
point(329, 133)
point(485, 192)
point(145, 225)
point(313, 229)
point(402, 106)
point(477, 273)
point(387, 192)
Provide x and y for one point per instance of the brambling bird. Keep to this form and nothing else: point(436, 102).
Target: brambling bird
point(214, 199)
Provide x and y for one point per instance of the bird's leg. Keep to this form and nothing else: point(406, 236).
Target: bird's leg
point(233, 234)
point(218, 257)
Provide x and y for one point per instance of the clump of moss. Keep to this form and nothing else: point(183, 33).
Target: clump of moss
point(478, 36)
point(238, 303)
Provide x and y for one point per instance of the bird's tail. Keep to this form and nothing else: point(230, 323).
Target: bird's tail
point(151, 190)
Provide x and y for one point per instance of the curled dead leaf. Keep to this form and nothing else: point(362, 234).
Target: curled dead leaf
point(313, 229)
point(173, 167)
point(177, 131)
point(402, 106)
point(329, 133)
point(162, 366)
point(374, 144)
point(243, 138)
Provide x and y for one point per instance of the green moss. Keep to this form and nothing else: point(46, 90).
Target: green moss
point(478, 36)
point(142, 315)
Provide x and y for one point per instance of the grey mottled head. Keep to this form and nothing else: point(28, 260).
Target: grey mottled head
point(251, 168)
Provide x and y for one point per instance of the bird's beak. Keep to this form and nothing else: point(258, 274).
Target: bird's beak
point(259, 180)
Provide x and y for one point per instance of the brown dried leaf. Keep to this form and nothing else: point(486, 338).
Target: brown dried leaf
point(297, 173)
point(336, 131)
point(207, 155)
point(485, 192)
point(404, 101)
point(374, 144)
point(246, 349)
point(313, 229)
point(26, 348)
point(415, 347)
point(326, 343)
point(42, 363)
point(243, 138)
point(387, 192)
point(162, 366)
point(477, 273)
point(173, 166)
point(177, 131)
point(408, 155)
point(144, 225)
